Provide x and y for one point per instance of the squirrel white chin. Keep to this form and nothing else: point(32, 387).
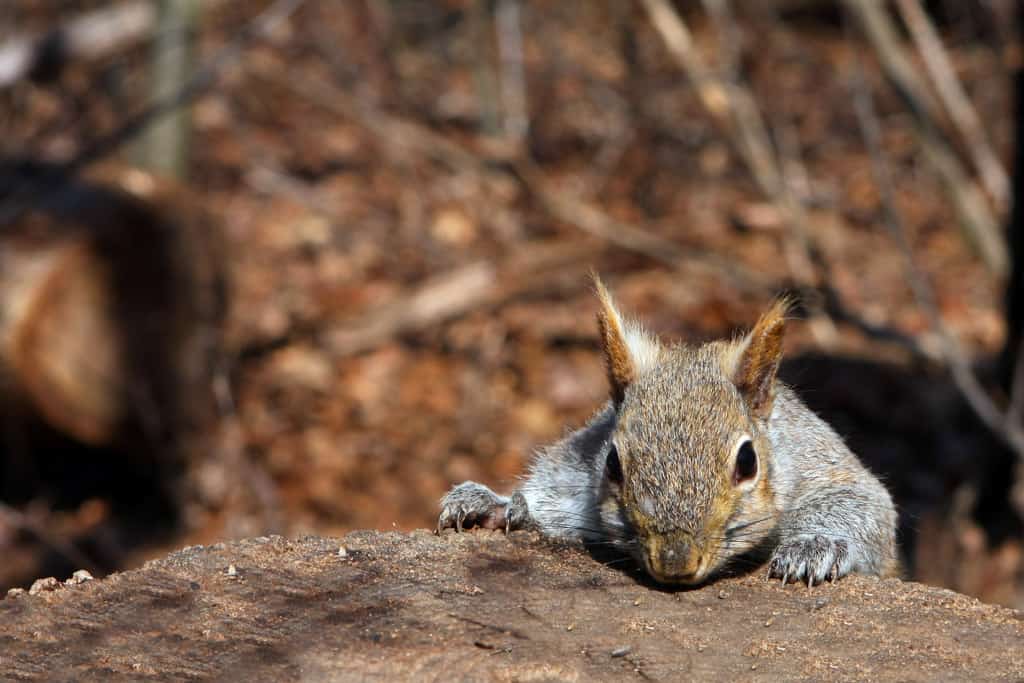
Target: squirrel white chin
point(701, 461)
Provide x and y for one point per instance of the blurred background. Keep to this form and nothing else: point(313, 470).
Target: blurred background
point(298, 266)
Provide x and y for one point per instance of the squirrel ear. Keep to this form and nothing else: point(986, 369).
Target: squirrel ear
point(759, 354)
point(628, 349)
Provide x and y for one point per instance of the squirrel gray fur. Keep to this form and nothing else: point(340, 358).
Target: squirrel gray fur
point(701, 460)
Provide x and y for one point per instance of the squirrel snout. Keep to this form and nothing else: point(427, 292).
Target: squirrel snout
point(675, 560)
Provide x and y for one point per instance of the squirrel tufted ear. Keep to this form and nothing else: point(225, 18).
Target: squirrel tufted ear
point(759, 354)
point(628, 350)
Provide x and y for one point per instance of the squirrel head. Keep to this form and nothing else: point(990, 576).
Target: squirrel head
point(687, 476)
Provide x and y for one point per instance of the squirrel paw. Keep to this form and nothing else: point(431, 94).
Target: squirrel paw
point(811, 558)
point(474, 505)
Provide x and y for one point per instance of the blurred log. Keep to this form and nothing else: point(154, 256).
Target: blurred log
point(110, 297)
point(59, 340)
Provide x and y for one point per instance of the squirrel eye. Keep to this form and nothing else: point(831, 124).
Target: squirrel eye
point(746, 463)
point(613, 466)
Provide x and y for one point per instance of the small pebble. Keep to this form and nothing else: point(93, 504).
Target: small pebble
point(81, 576)
point(820, 602)
point(570, 627)
point(47, 584)
point(15, 592)
point(636, 603)
point(342, 552)
point(771, 620)
point(723, 594)
point(621, 651)
point(231, 570)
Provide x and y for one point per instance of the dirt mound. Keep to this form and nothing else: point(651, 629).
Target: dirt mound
point(482, 606)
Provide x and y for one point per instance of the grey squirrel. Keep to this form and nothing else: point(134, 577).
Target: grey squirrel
point(700, 460)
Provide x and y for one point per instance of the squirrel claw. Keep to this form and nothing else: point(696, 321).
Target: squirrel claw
point(813, 559)
point(474, 505)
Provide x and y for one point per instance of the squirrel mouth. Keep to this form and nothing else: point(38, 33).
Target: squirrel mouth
point(678, 579)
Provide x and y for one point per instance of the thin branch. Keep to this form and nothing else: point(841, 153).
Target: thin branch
point(533, 267)
point(730, 39)
point(508, 24)
point(730, 107)
point(735, 110)
point(974, 215)
point(439, 299)
point(952, 94)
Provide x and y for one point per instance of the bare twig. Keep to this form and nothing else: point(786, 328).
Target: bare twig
point(874, 20)
point(588, 217)
point(457, 292)
point(729, 107)
point(960, 109)
point(508, 22)
point(730, 38)
point(974, 215)
point(479, 18)
point(268, 179)
point(735, 111)
point(966, 382)
point(164, 146)
point(439, 299)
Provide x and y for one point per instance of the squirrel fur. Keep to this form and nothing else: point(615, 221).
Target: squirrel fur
point(701, 461)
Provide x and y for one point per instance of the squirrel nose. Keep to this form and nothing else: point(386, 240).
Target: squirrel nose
point(677, 560)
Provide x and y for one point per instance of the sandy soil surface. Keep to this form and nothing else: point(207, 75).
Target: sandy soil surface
point(482, 606)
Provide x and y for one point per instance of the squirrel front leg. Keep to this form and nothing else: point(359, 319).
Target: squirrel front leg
point(835, 531)
point(559, 496)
